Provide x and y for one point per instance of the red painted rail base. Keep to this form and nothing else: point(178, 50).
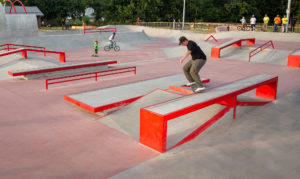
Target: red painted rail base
point(216, 51)
point(185, 89)
point(293, 60)
point(154, 122)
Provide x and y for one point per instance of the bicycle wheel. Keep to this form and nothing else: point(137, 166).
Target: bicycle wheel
point(239, 28)
point(117, 48)
point(107, 48)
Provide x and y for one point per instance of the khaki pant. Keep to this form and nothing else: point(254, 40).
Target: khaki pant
point(191, 71)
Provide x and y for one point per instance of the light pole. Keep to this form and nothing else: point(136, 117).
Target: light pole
point(183, 14)
point(288, 11)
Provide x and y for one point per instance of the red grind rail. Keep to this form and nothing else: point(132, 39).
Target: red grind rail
point(12, 47)
point(211, 36)
point(8, 47)
point(260, 48)
point(90, 75)
point(85, 31)
point(12, 5)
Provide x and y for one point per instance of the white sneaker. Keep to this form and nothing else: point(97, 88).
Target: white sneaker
point(190, 84)
point(199, 89)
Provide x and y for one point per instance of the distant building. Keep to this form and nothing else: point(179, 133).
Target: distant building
point(30, 10)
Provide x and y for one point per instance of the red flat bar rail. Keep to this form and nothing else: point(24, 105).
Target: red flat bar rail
point(211, 36)
point(62, 55)
point(91, 75)
point(85, 31)
point(260, 49)
point(12, 46)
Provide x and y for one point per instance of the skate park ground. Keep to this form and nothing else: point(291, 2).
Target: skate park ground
point(44, 136)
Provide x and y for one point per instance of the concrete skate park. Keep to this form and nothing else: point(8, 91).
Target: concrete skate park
point(95, 127)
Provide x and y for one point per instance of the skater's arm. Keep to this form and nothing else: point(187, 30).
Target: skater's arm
point(185, 55)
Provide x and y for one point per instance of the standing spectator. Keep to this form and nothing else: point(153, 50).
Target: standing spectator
point(266, 21)
point(138, 20)
point(174, 22)
point(179, 24)
point(243, 21)
point(277, 21)
point(62, 24)
point(67, 24)
point(293, 23)
point(284, 23)
point(252, 22)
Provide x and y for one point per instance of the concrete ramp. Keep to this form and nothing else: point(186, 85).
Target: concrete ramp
point(127, 119)
point(17, 25)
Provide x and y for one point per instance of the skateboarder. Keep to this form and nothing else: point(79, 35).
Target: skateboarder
point(192, 67)
point(96, 49)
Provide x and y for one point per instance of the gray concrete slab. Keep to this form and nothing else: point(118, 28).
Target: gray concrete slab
point(263, 142)
point(127, 119)
point(120, 93)
point(227, 43)
point(297, 52)
point(175, 105)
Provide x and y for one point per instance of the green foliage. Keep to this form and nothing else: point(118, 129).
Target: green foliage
point(127, 11)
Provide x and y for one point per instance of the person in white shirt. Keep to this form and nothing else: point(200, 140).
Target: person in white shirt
point(243, 21)
point(112, 38)
point(252, 22)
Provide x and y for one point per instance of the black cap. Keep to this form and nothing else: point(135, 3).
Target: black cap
point(182, 39)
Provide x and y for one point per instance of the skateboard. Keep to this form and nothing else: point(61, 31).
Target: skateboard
point(194, 87)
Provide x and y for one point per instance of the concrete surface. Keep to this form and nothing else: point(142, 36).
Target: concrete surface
point(43, 136)
point(127, 119)
point(124, 92)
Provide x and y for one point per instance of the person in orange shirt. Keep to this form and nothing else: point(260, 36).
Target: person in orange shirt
point(277, 21)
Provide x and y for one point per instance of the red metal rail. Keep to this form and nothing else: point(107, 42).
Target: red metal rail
point(8, 46)
point(260, 48)
point(20, 3)
point(211, 36)
point(100, 30)
point(12, 5)
point(90, 75)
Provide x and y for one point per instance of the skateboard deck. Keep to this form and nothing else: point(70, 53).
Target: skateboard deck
point(194, 87)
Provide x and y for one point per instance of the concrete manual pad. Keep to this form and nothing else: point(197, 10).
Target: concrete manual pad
point(127, 119)
point(175, 105)
point(297, 52)
point(116, 94)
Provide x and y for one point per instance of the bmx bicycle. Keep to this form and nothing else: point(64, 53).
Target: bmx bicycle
point(114, 46)
point(246, 28)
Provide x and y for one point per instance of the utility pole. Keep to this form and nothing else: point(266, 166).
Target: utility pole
point(288, 11)
point(183, 14)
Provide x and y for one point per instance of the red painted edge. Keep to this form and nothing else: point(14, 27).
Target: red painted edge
point(80, 104)
point(60, 68)
point(202, 128)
